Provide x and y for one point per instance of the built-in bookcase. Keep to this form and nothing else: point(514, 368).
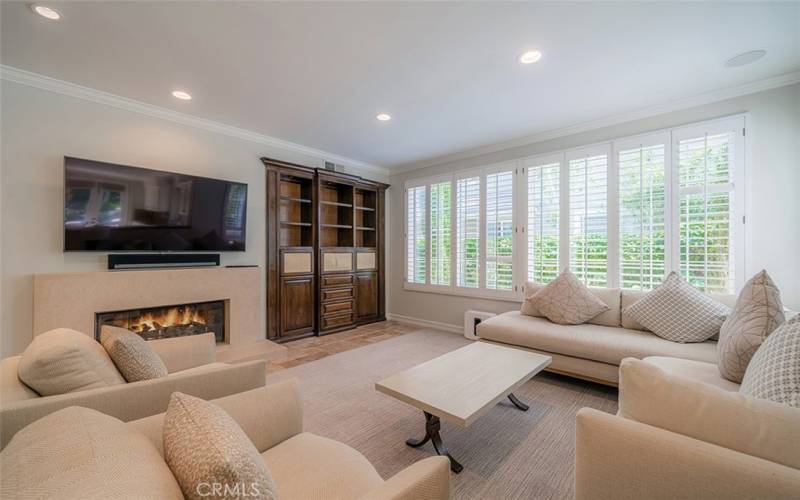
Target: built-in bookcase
point(335, 214)
point(296, 212)
point(366, 218)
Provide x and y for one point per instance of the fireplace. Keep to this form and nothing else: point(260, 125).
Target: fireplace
point(168, 321)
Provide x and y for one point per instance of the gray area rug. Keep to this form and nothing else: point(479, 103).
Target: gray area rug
point(506, 454)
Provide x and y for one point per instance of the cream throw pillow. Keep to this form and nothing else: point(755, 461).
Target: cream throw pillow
point(527, 307)
point(774, 371)
point(567, 301)
point(758, 311)
point(130, 352)
point(679, 312)
point(81, 453)
point(64, 360)
point(205, 447)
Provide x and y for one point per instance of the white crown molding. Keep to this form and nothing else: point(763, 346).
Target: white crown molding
point(659, 109)
point(30, 79)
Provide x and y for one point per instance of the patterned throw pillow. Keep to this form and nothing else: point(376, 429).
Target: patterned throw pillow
point(135, 359)
point(679, 312)
point(567, 301)
point(774, 371)
point(204, 446)
point(758, 311)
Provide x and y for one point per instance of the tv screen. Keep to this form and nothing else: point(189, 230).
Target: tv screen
point(110, 207)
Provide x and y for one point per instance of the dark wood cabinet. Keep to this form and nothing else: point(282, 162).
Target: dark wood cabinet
point(325, 262)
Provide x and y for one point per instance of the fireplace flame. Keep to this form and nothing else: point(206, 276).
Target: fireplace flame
point(173, 316)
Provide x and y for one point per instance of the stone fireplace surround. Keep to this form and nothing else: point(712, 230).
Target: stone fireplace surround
point(70, 300)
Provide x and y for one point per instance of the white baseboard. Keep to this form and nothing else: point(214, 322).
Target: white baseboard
point(425, 322)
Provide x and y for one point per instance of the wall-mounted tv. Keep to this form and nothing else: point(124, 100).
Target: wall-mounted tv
point(109, 208)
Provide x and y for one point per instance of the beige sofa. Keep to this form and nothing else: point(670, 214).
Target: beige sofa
point(593, 351)
point(190, 361)
point(684, 432)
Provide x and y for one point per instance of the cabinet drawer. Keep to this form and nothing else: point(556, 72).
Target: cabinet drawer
point(337, 280)
point(336, 321)
point(337, 307)
point(330, 295)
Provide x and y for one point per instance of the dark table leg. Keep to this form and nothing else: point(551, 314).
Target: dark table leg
point(432, 428)
point(519, 404)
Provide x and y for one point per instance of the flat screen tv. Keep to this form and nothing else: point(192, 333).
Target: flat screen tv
point(110, 207)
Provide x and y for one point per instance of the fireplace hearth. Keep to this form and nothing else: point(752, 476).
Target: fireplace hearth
point(168, 321)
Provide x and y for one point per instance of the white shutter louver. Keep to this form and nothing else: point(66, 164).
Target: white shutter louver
point(468, 231)
point(642, 211)
point(588, 219)
point(543, 221)
point(416, 234)
point(440, 232)
point(499, 230)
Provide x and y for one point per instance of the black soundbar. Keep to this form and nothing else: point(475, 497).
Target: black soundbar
point(161, 260)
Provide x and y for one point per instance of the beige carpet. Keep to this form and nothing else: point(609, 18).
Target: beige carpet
point(506, 454)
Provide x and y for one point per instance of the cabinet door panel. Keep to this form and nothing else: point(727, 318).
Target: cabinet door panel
point(297, 305)
point(366, 296)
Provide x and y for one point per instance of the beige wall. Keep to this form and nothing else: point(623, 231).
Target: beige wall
point(40, 127)
point(773, 197)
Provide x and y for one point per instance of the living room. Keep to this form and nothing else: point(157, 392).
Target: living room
point(415, 250)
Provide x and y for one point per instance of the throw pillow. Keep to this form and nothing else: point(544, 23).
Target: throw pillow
point(679, 312)
point(64, 360)
point(567, 301)
point(527, 307)
point(774, 371)
point(203, 445)
point(758, 311)
point(130, 352)
point(81, 453)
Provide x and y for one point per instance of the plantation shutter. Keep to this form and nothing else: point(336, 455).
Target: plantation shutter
point(468, 231)
point(499, 230)
point(416, 234)
point(441, 199)
point(588, 216)
point(707, 203)
point(641, 175)
point(543, 195)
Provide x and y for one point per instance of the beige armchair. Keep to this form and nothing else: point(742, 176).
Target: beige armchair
point(304, 465)
point(192, 369)
point(689, 438)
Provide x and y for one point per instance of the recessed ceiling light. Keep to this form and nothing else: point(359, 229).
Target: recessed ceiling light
point(180, 94)
point(746, 58)
point(384, 117)
point(45, 11)
point(530, 57)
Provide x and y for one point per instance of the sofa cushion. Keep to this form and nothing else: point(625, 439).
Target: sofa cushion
point(11, 387)
point(205, 447)
point(699, 371)
point(756, 427)
point(599, 343)
point(63, 360)
point(309, 466)
point(609, 296)
point(679, 312)
point(630, 296)
point(182, 353)
point(774, 371)
point(567, 301)
point(81, 453)
point(757, 312)
point(131, 354)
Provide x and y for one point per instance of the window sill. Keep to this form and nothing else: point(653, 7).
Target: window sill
point(464, 292)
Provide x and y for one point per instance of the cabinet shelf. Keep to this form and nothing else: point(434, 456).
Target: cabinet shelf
point(298, 200)
point(366, 209)
point(336, 204)
point(362, 228)
point(301, 224)
point(338, 226)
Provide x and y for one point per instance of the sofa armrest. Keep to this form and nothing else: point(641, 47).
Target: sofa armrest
point(427, 479)
point(268, 415)
point(620, 459)
point(182, 353)
point(138, 399)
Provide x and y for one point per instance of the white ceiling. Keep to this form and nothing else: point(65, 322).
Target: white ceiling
point(317, 73)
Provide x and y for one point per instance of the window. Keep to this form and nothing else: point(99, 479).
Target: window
point(499, 230)
point(544, 195)
point(440, 232)
point(620, 214)
point(588, 217)
point(416, 235)
point(641, 177)
point(468, 231)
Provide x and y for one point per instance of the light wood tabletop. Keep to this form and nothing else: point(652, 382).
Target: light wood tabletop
point(464, 384)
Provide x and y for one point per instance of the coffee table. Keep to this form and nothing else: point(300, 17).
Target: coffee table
point(461, 386)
